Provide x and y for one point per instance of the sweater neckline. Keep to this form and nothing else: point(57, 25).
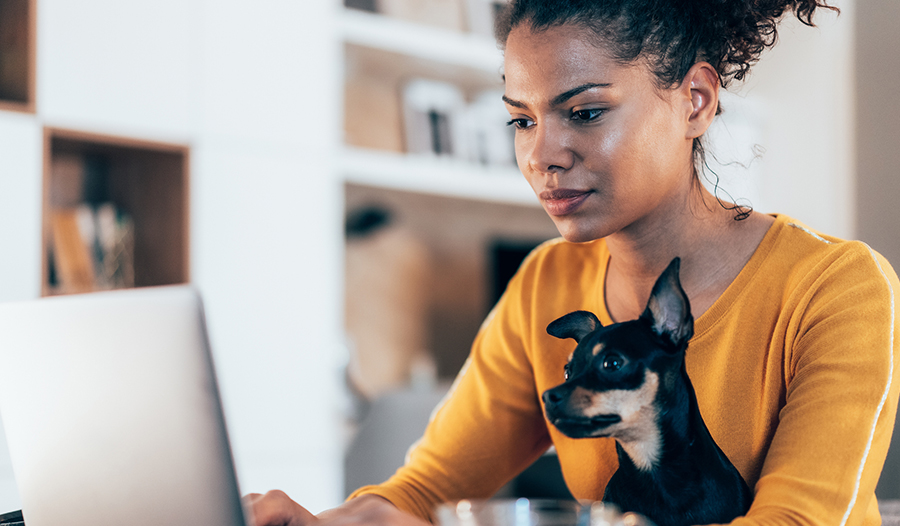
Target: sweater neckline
point(724, 302)
point(744, 277)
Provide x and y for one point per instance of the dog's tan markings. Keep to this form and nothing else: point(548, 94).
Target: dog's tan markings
point(637, 432)
point(598, 349)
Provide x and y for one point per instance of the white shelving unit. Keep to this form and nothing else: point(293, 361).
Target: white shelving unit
point(398, 50)
point(458, 209)
point(436, 176)
point(462, 212)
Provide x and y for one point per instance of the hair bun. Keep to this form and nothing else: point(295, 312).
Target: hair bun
point(672, 34)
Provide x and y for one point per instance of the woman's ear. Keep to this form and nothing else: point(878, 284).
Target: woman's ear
point(701, 84)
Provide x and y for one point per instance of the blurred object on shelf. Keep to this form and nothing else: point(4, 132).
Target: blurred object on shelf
point(388, 277)
point(433, 116)
point(393, 423)
point(439, 121)
point(372, 114)
point(92, 248)
point(91, 242)
point(115, 244)
point(447, 14)
point(362, 5)
point(482, 14)
point(491, 140)
point(71, 259)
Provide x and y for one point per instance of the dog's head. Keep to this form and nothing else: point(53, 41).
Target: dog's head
point(617, 373)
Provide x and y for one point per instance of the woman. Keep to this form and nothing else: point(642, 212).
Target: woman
point(794, 350)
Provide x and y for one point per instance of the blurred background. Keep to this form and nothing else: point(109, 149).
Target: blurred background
point(338, 182)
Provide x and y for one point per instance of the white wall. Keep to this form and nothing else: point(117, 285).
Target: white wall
point(252, 88)
point(798, 106)
point(267, 236)
point(21, 142)
point(878, 143)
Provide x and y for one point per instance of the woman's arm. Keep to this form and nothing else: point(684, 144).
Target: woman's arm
point(841, 396)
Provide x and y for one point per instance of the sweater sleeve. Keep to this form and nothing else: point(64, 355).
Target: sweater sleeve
point(835, 427)
point(487, 430)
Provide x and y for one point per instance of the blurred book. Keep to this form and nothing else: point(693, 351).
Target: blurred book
point(433, 114)
point(92, 249)
point(91, 241)
point(73, 265)
point(491, 140)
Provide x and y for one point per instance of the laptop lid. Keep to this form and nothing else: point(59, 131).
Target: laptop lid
point(112, 412)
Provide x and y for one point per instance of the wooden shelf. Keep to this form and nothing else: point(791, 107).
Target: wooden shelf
point(436, 176)
point(17, 55)
point(146, 182)
point(428, 43)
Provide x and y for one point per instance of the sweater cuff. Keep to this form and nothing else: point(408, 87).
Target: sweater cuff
point(399, 499)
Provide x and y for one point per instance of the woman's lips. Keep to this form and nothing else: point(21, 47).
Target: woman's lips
point(563, 201)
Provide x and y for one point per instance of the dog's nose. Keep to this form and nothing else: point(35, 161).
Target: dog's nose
point(552, 397)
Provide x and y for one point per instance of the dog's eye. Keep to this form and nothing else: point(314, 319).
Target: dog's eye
point(612, 362)
point(567, 371)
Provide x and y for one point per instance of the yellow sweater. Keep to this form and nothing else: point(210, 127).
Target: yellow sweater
point(793, 368)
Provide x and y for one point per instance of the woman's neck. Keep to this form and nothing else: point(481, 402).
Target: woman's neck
point(713, 248)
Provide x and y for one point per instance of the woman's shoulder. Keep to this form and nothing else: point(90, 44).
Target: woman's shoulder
point(800, 245)
point(805, 257)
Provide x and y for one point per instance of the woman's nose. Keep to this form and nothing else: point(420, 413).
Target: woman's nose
point(547, 150)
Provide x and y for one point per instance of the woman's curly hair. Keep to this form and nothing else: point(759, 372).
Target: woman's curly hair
point(671, 35)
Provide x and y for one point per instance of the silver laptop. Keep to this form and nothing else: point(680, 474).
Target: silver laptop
point(112, 412)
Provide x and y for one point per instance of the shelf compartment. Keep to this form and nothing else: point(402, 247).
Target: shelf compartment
point(17, 55)
point(436, 176)
point(455, 241)
point(146, 181)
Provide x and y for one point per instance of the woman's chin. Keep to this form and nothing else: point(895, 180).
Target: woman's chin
point(572, 232)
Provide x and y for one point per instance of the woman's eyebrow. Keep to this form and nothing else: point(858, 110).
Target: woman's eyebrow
point(562, 97)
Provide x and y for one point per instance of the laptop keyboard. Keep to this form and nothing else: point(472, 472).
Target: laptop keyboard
point(13, 518)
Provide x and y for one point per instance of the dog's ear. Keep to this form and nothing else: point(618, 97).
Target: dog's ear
point(669, 310)
point(575, 325)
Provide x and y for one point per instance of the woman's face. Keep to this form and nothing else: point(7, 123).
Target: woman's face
point(604, 149)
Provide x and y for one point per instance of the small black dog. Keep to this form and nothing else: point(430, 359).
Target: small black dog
point(628, 381)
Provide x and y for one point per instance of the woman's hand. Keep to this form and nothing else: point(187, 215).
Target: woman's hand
point(275, 508)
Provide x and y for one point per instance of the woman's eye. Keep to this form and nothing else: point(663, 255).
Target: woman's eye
point(612, 362)
point(521, 124)
point(586, 115)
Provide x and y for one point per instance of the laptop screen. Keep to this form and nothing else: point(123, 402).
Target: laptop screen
point(112, 412)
